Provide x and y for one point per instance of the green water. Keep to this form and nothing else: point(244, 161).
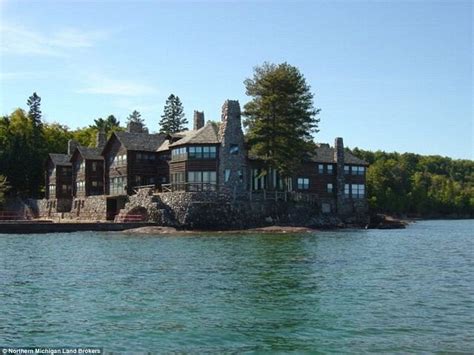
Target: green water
point(346, 292)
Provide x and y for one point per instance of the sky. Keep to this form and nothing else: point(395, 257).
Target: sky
point(388, 75)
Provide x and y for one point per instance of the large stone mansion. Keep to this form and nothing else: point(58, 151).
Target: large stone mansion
point(137, 173)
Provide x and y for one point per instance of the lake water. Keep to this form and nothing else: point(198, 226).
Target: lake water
point(345, 291)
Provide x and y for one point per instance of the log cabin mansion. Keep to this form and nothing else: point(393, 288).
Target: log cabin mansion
point(199, 178)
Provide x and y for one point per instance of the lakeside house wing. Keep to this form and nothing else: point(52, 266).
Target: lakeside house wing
point(134, 159)
point(87, 171)
point(58, 176)
point(194, 160)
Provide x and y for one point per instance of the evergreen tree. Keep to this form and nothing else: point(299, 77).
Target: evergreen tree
point(280, 118)
point(136, 117)
point(4, 187)
point(110, 124)
point(34, 113)
point(173, 119)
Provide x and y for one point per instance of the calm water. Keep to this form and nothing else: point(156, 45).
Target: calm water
point(349, 291)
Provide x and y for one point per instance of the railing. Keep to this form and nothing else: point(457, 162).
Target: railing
point(275, 195)
point(11, 216)
point(129, 218)
point(189, 187)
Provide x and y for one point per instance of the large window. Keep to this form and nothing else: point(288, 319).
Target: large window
point(202, 152)
point(209, 177)
point(178, 153)
point(66, 171)
point(234, 149)
point(65, 188)
point(358, 170)
point(146, 157)
point(358, 190)
point(321, 168)
point(117, 185)
point(329, 188)
point(347, 169)
point(303, 183)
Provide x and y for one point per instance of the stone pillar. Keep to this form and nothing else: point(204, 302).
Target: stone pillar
point(232, 155)
point(100, 139)
point(198, 120)
point(339, 159)
point(71, 146)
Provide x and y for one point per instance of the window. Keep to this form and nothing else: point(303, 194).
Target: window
point(94, 166)
point(347, 169)
point(117, 185)
point(303, 183)
point(358, 170)
point(179, 153)
point(201, 180)
point(358, 190)
point(80, 186)
point(330, 169)
point(226, 175)
point(321, 168)
point(234, 149)
point(52, 190)
point(329, 188)
point(202, 152)
point(347, 190)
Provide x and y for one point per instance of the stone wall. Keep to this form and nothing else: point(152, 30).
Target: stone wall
point(218, 211)
point(232, 154)
point(93, 208)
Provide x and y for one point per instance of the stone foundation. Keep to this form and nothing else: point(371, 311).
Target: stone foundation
point(93, 208)
point(217, 211)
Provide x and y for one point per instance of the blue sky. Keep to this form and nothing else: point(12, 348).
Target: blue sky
point(390, 75)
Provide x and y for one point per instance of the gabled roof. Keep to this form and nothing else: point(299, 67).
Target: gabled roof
point(164, 146)
point(141, 141)
point(325, 154)
point(90, 153)
point(60, 159)
point(205, 135)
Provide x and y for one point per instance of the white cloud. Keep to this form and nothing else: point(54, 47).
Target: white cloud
point(23, 41)
point(101, 85)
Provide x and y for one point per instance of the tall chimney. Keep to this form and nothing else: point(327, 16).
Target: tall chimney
point(134, 127)
point(198, 120)
point(71, 146)
point(100, 139)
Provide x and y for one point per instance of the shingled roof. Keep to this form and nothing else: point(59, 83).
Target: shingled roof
point(60, 159)
point(90, 153)
point(141, 141)
point(205, 135)
point(325, 154)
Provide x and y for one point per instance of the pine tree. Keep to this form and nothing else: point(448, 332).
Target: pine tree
point(173, 119)
point(280, 118)
point(136, 117)
point(34, 113)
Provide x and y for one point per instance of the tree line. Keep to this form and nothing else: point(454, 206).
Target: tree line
point(280, 121)
point(26, 141)
point(419, 185)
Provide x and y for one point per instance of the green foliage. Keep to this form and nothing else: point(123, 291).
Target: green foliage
point(110, 124)
point(419, 185)
point(135, 117)
point(280, 118)
point(4, 187)
point(173, 119)
point(34, 113)
point(25, 143)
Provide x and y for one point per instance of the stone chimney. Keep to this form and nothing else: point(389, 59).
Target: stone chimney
point(232, 155)
point(340, 179)
point(134, 127)
point(198, 120)
point(71, 146)
point(100, 139)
